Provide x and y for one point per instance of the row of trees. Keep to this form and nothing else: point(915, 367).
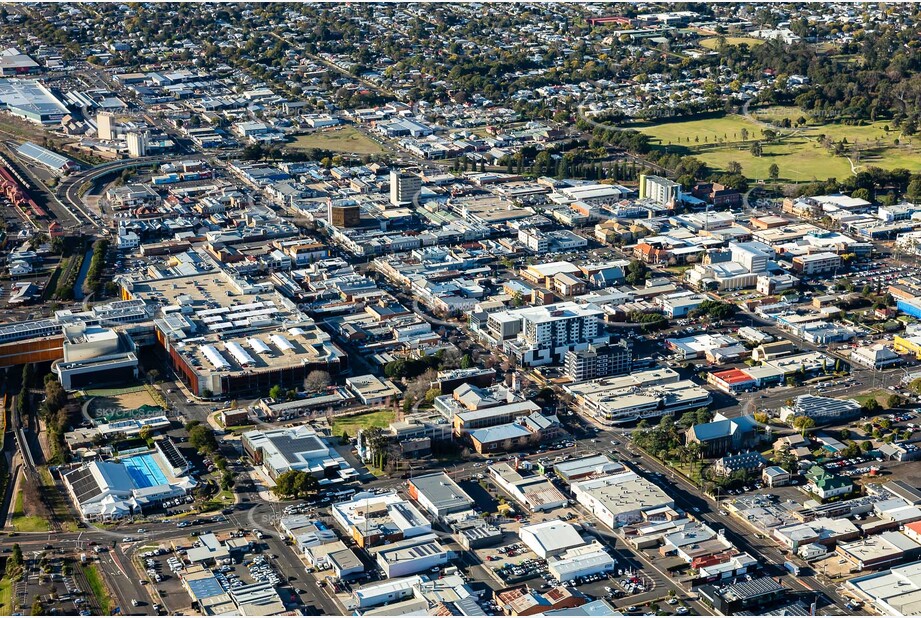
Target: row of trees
point(93, 280)
point(296, 484)
point(201, 437)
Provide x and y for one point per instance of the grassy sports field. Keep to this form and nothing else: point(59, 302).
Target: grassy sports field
point(345, 139)
point(714, 42)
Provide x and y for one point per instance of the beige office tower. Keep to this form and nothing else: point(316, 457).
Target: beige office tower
point(404, 188)
point(105, 125)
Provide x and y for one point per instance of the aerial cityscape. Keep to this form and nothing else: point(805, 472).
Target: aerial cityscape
point(460, 309)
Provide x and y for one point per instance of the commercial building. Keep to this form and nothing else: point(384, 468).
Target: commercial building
point(879, 550)
point(413, 556)
point(371, 390)
point(13, 63)
point(524, 601)
point(344, 215)
point(374, 519)
point(404, 188)
point(821, 409)
point(95, 356)
point(550, 538)
point(876, 356)
point(624, 498)
point(535, 493)
point(644, 394)
point(744, 595)
point(823, 530)
point(775, 476)
point(32, 101)
point(582, 561)
point(225, 335)
point(438, 494)
point(294, 448)
point(816, 263)
point(598, 361)
point(448, 594)
point(587, 467)
point(894, 592)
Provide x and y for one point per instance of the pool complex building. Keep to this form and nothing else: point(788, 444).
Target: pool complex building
point(117, 488)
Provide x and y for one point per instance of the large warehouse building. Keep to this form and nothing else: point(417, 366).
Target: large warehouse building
point(31, 100)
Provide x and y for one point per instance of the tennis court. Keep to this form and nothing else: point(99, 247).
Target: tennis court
point(144, 471)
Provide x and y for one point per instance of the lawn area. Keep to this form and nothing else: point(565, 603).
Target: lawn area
point(685, 132)
point(351, 424)
point(798, 159)
point(27, 523)
point(799, 156)
point(94, 577)
point(6, 597)
point(880, 395)
point(346, 139)
point(714, 42)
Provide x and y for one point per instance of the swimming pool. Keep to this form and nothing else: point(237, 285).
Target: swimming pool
point(144, 470)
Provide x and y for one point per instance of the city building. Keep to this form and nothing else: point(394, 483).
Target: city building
point(876, 356)
point(524, 601)
point(598, 361)
point(775, 476)
point(105, 126)
point(816, 263)
point(438, 494)
point(743, 462)
point(109, 490)
point(723, 434)
point(372, 390)
point(533, 492)
point(294, 448)
point(660, 190)
point(404, 188)
point(376, 519)
point(731, 599)
point(622, 499)
point(826, 485)
point(225, 335)
point(821, 409)
point(581, 561)
point(879, 550)
point(644, 394)
point(543, 335)
point(56, 163)
point(550, 538)
point(412, 556)
point(587, 467)
point(95, 356)
point(894, 592)
point(31, 100)
point(344, 215)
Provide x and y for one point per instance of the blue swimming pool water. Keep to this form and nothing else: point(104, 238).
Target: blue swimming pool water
point(144, 471)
